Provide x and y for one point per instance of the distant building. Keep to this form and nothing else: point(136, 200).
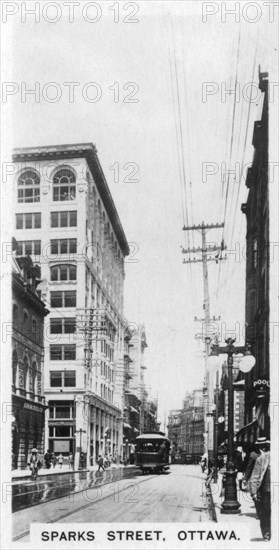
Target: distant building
point(192, 424)
point(140, 411)
point(28, 402)
point(256, 210)
point(174, 431)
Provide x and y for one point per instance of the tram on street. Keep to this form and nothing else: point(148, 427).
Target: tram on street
point(152, 452)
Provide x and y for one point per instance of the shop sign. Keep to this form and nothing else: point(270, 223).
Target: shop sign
point(31, 407)
point(261, 382)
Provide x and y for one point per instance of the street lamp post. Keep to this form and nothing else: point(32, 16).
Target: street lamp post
point(231, 504)
point(80, 431)
point(216, 428)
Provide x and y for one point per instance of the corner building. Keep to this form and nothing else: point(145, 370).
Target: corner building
point(66, 220)
point(28, 402)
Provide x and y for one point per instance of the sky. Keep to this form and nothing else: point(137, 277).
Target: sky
point(162, 106)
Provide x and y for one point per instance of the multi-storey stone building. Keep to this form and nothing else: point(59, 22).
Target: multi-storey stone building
point(192, 424)
point(66, 220)
point(175, 430)
point(28, 402)
point(256, 210)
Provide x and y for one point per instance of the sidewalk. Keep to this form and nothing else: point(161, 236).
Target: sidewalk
point(247, 509)
point(25, 474)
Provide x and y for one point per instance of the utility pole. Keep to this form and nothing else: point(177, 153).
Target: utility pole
point(204, 259)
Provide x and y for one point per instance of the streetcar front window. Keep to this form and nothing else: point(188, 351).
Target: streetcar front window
point(149, 446)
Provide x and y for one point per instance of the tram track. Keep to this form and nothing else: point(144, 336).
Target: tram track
point(80, 508)
point(52, 486)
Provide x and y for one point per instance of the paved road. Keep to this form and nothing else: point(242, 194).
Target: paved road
point(26, 493)
point(176, 496)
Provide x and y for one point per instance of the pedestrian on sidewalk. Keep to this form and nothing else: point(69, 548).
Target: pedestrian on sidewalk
point(203, 462)
point(253, 454)
point(47, 458)
point(60, 460)
point(71, 461)
point(53, 460)
point(101, 463)
point(260, 487)
point(240, 462)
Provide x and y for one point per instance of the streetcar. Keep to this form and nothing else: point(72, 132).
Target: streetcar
point(152, 452)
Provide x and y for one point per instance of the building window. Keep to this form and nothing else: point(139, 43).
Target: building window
point(34, 330)
point(25, 322)
point(15, 362)
point(64, 185)
point(63, 273)
point(63, 246)
point(32, 377)
point(28, 187)
point(60, 379)
point(28, 221)
point(28, 248)
point(61, 410)
point(66, 298)
point(65, 325)
point(63, 219)
point(63, 352)
point(255, 253)
point(15, 315)
point(61, 431)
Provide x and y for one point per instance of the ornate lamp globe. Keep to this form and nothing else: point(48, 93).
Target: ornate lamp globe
point(247, 362)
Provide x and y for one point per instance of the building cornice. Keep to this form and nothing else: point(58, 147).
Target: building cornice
point(79, 150)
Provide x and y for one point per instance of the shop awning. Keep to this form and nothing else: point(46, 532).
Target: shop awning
point(127, 426)
point(247, 434)
point(136, 430)
point(132, 409)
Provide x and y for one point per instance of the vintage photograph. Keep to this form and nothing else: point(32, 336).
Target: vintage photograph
point(139, 274)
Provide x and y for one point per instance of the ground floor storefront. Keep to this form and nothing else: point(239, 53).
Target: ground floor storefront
point(28, 425)
point(86, 426)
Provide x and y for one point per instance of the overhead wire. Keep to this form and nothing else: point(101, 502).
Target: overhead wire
point(230, 272)
point(231, 141)
point(179, 138)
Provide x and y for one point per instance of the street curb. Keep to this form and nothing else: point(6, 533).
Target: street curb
point(44, 474)
point(20, 478)
point(211, 504)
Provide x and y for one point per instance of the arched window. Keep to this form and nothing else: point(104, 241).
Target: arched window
point(15, 315)
point(64, 185)
point(25, 371)
point(32, 377)
point(15, 363)
point(34, 330)
point(25, 322)
point(63, 273)
point(28, 187)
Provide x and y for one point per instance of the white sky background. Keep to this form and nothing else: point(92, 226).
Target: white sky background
point(159, 290)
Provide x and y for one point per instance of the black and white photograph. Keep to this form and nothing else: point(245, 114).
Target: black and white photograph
point(139, 274)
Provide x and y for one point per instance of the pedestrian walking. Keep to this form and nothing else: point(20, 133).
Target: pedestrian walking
point(53, 460)
point(260, 487)
point(34, 463)
point(101, 463)
point(203, 462)
point(239, 464)
point(60, 460)
point(253, 454)
point(71, 461)
point(47, 458)
point(106, 461)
